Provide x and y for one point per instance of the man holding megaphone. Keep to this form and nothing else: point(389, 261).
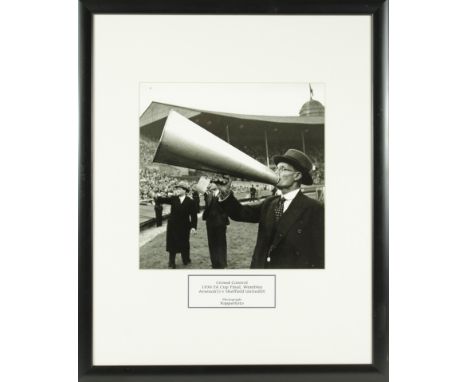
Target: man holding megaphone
point(291, 225)
point(216, 226)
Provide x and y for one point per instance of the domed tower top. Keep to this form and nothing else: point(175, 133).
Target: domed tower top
point(312, 108)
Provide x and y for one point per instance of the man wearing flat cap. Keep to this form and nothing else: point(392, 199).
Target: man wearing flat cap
point(291, 225)
point(181, 222)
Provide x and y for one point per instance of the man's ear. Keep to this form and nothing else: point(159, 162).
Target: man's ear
point(298, 176)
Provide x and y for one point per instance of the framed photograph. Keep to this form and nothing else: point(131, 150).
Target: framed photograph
point(233, 202)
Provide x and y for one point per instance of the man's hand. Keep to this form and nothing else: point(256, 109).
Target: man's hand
point(193, 231)
point(224, 185)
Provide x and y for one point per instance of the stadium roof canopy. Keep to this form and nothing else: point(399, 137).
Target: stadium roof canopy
point(157, 111)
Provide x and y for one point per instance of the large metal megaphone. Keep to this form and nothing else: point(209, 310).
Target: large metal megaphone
point(183, 143)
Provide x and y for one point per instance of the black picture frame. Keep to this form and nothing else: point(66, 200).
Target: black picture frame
point(378, 370)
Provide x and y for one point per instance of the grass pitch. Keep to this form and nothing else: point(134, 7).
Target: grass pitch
point(241, 239)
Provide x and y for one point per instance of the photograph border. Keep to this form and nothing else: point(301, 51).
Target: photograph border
point(378, 370)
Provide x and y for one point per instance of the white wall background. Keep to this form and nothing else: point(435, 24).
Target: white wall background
point(38, 159)
point(334, 327)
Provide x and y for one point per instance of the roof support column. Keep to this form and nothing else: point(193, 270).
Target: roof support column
point(303, 141)
point(265, 134)
point(227, 134)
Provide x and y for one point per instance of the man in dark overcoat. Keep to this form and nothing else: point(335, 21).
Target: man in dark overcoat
point(253, 193)
point(216, 225)
point(291, 225)
point(196, 199)
point(181, 222)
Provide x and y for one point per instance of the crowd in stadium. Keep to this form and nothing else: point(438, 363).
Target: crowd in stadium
point(152, 181)
point(147, 149)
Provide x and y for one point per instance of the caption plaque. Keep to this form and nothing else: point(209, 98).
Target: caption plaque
point(231, 291)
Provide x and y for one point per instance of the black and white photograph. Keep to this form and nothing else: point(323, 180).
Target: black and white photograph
point(232, 175)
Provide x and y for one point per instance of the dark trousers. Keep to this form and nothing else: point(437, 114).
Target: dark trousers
point(158, 211)
point(185, 257)
point(158, 219)
point(217, 246)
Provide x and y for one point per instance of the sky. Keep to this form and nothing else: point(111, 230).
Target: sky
point(279, 99)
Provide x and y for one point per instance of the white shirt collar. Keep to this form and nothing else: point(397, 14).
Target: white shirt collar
point(182, 198)
point(291, 194)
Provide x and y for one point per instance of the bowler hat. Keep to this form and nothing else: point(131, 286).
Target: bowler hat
point(183, 185)
point(299, 161)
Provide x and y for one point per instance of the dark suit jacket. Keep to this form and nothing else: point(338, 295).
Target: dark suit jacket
point(196, 199)
point(214, 214)
point(295, 241)
point(182, 218)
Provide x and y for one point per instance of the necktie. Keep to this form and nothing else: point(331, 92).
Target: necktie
point(278, 213)
point(279, 209)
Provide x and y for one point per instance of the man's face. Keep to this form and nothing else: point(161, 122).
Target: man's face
point(287, 175)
